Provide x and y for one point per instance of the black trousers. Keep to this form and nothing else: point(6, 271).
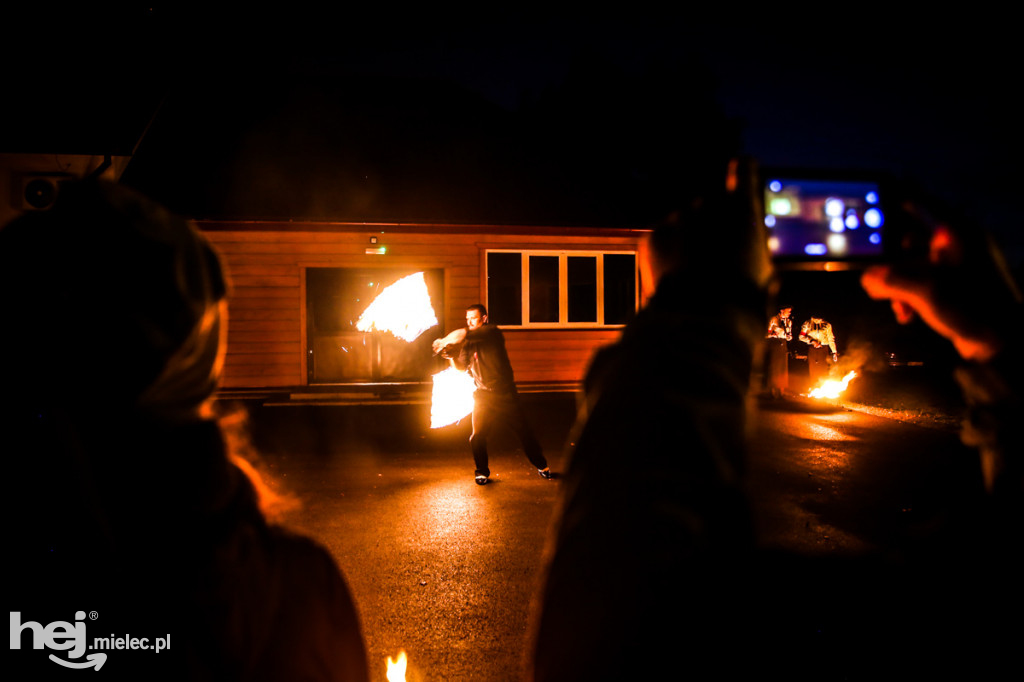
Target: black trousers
point(776, 366)
point(819, 362)
point(491, 410)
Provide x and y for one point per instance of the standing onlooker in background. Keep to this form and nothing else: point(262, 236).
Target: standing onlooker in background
point(817, 333)
point(780, 333)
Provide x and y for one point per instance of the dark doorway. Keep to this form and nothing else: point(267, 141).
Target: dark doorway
point(337, 352)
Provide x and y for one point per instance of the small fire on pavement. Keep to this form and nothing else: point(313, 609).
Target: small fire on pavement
point(396, 669)
point(830, 388)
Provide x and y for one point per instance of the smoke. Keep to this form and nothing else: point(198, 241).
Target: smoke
point(859, 355)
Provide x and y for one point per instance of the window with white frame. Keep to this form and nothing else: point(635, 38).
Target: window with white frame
point(561, 288)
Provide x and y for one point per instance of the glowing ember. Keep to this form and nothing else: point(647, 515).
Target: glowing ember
point(396, 669)
point(832, 388)
point(452, 398)
point(403, 309)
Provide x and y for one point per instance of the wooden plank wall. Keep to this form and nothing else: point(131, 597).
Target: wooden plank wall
point(267, 261)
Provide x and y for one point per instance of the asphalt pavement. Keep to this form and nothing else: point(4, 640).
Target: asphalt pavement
point(439, 566)
point(445, 569)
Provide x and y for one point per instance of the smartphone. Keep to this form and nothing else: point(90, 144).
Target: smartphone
point(815, 219)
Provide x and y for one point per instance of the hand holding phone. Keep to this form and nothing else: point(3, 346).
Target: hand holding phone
point(962, 291)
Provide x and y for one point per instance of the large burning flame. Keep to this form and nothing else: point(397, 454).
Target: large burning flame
point(831, 388)
point(452, 397)
point(396, 669)
point(403, 309)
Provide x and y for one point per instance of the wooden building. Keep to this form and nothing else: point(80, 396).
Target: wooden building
point(321, 187)
point(298, 288)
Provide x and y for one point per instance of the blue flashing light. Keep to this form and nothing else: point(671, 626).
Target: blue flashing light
point(836, 225)
point(815, 249)
point(775, 186)
point(834, 207)
point(852, 222)
point(875, 238)
point(871, 197)
point(873, 217)
point(769, 220)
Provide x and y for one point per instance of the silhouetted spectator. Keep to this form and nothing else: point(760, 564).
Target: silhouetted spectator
point(966, 293)
point(645, 573)
point(127, 498)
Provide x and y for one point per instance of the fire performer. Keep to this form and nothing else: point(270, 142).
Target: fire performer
point(481, 350)
point(780, 333)
point(817, 333)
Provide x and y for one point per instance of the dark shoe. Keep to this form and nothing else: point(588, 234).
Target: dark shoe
point(545, 473)
point(481, 479)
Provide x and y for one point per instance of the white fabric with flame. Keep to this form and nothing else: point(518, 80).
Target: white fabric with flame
point(403, 309)
point(452, 397)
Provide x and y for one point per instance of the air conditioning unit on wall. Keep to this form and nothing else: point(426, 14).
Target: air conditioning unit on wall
point(37, 191)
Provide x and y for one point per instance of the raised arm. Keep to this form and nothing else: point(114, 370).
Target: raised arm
point(453, 339)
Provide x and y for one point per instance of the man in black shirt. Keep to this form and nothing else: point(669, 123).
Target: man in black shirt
point(496, 399)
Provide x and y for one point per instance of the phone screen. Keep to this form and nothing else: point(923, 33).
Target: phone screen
point(814, 219)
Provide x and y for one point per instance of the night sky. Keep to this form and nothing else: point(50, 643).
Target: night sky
point(927, 98)
point(930, 99)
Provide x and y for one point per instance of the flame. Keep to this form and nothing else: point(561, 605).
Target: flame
point(452, 397)
point(396, 669)
point(403, 309)
point(832, 388)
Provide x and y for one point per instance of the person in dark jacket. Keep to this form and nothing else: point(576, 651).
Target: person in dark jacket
point(653, 540)
point(496, 400)
point(130, 498)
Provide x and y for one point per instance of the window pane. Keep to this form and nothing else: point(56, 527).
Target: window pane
point(505, 288)
point(619, 287)
point(543, 288)
point(582, 276)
